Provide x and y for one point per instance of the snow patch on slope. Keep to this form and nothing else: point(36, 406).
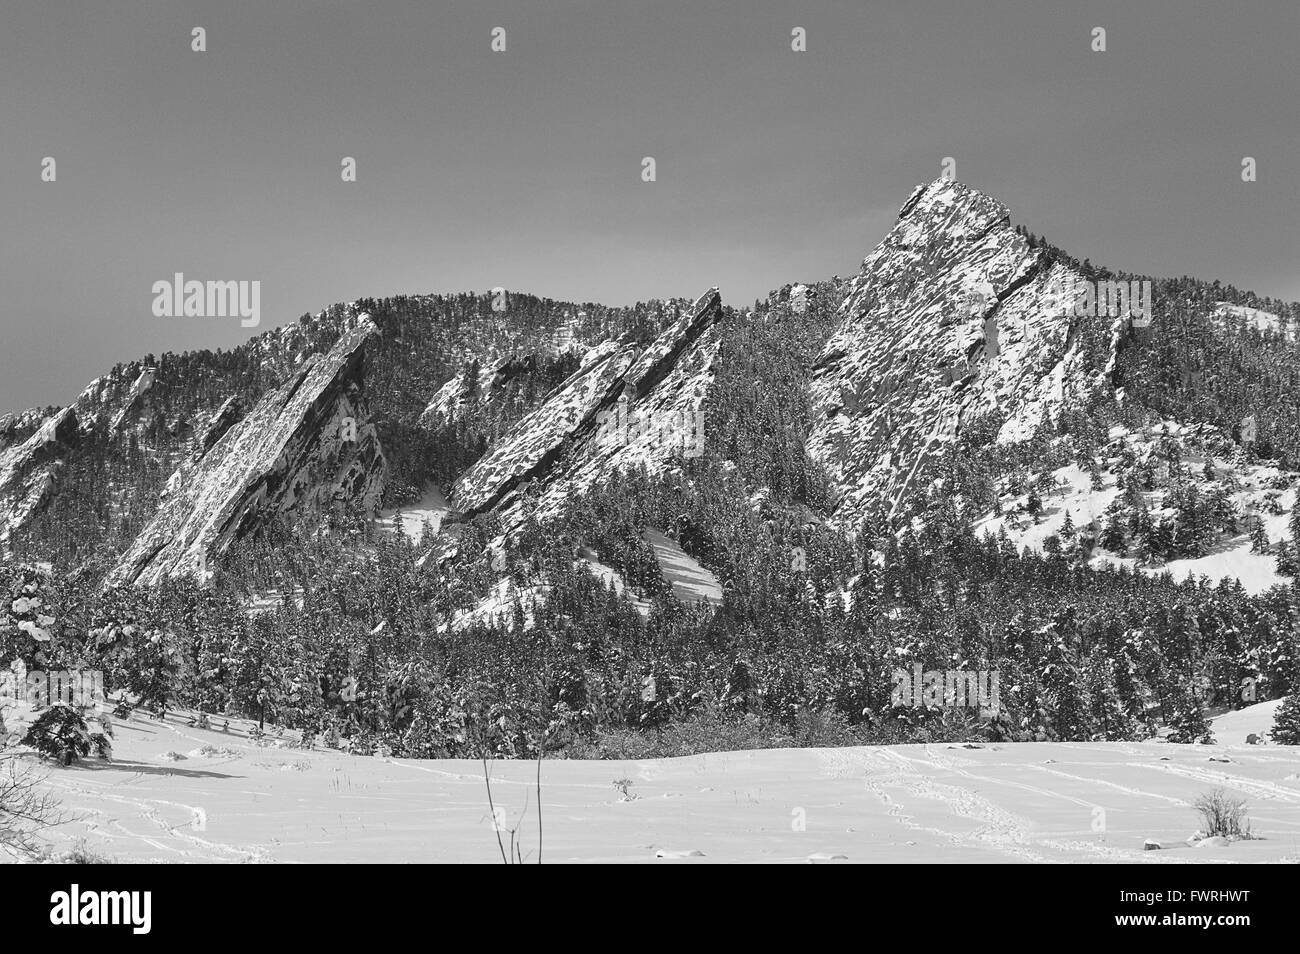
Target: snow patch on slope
point(1259, 490)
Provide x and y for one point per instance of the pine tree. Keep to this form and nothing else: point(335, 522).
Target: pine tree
point(1095, 478)
point(1286, 724)
point(1034, 505)
point(1188, 721)
point(1113, 536)
point(1258, 535)
point(1108, 715)
point(1285, 559)
point(1060, 678)
point(60, 733)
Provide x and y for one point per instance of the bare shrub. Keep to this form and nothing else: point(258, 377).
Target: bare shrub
point(1223, 814)
point(25, 809)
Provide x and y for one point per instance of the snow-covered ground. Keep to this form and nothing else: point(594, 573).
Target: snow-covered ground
point(237, 801)
point(1253, 492)
point(612, 578)
point(1260, 320)
point(691, 581)
point(418, 518)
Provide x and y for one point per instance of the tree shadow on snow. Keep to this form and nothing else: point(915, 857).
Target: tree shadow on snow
point(144, 768)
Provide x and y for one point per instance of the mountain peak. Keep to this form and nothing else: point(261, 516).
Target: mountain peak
point(948, 321)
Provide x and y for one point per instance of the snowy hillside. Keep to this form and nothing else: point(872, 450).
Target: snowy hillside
point(1223, 515)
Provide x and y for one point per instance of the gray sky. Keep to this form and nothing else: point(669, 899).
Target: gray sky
point(523, 168)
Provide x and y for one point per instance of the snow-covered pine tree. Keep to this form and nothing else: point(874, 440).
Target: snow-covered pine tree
point(1188, 721)
point(1258, 536)
point(60, 733)
point(1110, 721)
point(1286, 723)
point(1060, 677)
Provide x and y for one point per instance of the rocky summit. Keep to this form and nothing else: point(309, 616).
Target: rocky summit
point(951, 320)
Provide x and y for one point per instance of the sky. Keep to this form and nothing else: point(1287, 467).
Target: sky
point(523, 169)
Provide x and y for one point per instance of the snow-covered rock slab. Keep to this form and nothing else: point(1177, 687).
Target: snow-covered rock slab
point(612, 413)
point(306, 444)
point(953, 317)
point(691, 581)
point(29, 471)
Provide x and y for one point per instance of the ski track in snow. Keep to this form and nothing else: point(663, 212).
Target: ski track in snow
point(997, 828)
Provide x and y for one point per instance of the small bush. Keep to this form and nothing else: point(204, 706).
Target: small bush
point(815, 728)
point(624, 786)
point(1223, 815)
point(26, 808)
point(78, 854)
point(706, 732)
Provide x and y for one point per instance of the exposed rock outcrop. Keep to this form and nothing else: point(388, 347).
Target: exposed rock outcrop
point(222, 420)
point(466, 388)
point(305, 445)
point(16, 428)
point(953, 318)
point(624, 405)
point(135, 399)
point(29, 471)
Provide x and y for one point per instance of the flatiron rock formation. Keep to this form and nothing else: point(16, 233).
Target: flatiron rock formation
point(306, 445)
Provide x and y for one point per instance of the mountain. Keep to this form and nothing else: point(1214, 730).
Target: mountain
point(951, 341)
point(510, 523)
point(144, 420)
point(946, 327)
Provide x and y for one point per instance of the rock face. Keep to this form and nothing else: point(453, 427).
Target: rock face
point(16, 428)
point(623, 406)
point(137, 397)
point(305, 445)
point(222, 420)
point(29, 471)
point(461, 391)
point(953, 318)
